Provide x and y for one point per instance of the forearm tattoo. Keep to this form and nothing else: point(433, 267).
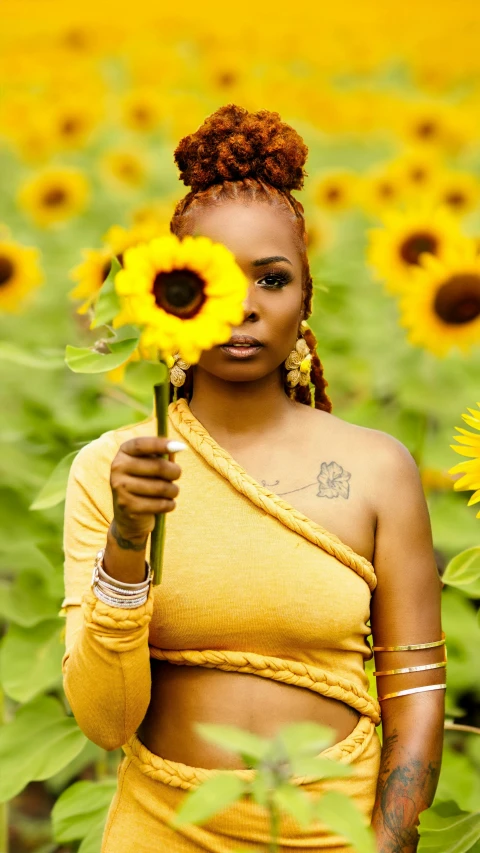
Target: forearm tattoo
point(404, 789)
point(126, 544)
point(332, 482)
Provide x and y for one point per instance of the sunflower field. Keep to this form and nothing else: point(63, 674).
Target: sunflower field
point(93, 101)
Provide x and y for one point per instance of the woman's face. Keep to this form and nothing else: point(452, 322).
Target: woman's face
point(265, 245)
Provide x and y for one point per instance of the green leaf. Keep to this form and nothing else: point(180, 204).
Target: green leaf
point(80, 808)
point(463, 572)
point(31, 659)
point(26, 601)
point(108, 303)
point(141, 376)
point(443, 833)
point(262, 785)
point(319, 768)
point(86, 360)
point(53, 492)
point(93, 840)
point(41, 360)
point(340, 814)
point(295, 802)
point(305, 738)
point(234, 739)
point(212, 796)
point(38, 742)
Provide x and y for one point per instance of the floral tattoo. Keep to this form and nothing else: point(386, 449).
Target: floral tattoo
point(332, 482)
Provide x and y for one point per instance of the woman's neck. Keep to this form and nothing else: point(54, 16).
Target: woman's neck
point(237, 411)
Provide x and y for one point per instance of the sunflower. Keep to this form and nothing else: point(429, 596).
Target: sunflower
point(417, 169)
point(186, 294)
point(434, 124)
point(73, 122)
point(395, 250)
point(441, 306)
point(459, 191)
point(90, 275)
point(20, 273)
point(380, 189)
point(54, 195)
point(335, 191)
point(142, 109)
point(125, 167)
point(469, 446)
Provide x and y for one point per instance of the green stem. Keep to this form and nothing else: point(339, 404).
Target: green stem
point(161, 390)
point(3, 806)
point(274, 820)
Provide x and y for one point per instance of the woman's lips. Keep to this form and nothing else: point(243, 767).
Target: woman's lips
point(241, 351)
point(241, 346)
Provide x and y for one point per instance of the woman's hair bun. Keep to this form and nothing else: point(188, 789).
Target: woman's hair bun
point(233, 144)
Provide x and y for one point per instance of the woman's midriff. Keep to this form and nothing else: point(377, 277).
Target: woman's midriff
point(183, 695)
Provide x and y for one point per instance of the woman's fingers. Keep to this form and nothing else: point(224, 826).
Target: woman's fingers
point(149, 487)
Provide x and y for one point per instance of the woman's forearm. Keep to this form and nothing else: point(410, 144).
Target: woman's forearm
point(106, 671)
point(409, 770)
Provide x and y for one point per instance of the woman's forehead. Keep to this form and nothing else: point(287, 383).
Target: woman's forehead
point(254, 229)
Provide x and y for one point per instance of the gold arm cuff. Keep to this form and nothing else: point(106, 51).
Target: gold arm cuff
point(410, 647)
point(411, 668)
point(412, 690)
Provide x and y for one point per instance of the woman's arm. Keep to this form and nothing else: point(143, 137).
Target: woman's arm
point(106, 666)
point(405, 611)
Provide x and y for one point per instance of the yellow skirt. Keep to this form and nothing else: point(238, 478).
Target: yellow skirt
point(150, 790)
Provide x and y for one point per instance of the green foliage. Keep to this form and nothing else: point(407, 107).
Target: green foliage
point(463, 572)
point(119, 349)
point(80, 812)
point(30, 659)
point(37, 743)
point(291, 753)
point(446, 829)
point(53, 492)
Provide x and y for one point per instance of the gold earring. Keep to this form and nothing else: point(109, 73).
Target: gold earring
point(177, 371)
point(299, 364)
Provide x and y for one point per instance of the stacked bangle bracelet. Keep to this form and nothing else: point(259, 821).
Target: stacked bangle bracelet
point(409, 669)
point(117, 593)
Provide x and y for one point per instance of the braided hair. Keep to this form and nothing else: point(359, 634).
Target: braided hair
point(247, 156)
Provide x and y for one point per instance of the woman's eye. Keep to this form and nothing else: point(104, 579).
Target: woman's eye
point(274, 280)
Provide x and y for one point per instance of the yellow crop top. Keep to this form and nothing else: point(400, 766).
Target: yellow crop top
point(249, 584)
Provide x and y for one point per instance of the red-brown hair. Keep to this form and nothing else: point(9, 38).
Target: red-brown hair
point(256, 157)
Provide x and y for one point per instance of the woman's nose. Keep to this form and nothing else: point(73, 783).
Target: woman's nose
point(250, 311)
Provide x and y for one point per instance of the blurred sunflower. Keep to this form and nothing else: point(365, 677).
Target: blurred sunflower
point(20, 273)
point(73, 121)
point(90, 275)
point(54, 195)
point(157, 213)
point(469, 446)
point(142, 109)
point(417, 169)
point(186, 294)
point(434, 480)
point(125, 167)
point(459, 191)
point(335, 191)
point(434, 124)
point(396, 249)
point(441, 306)
point(380, 189)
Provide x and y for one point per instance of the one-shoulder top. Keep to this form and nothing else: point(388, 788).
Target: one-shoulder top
point(249, 584)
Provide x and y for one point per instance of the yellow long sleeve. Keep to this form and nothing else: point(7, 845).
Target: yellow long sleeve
point(106, 666)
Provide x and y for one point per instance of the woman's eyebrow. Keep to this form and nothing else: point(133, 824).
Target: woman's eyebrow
point(262, 262)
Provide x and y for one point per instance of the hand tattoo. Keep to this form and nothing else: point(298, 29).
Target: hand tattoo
point(126, 544)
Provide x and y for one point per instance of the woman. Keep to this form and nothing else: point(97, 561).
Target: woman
point(291, 529)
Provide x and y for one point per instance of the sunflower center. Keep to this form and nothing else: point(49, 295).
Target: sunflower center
point(6, 270)
point(418, 175)
point(180, 292)
point(69, 126)
point(385, 190)
point(54, 197)
point(413, 247)
point(333, 194)
point(455, 199)
point(426, 129)
point(458, 300)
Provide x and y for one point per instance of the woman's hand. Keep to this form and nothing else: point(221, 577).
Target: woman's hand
point(142, 484)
